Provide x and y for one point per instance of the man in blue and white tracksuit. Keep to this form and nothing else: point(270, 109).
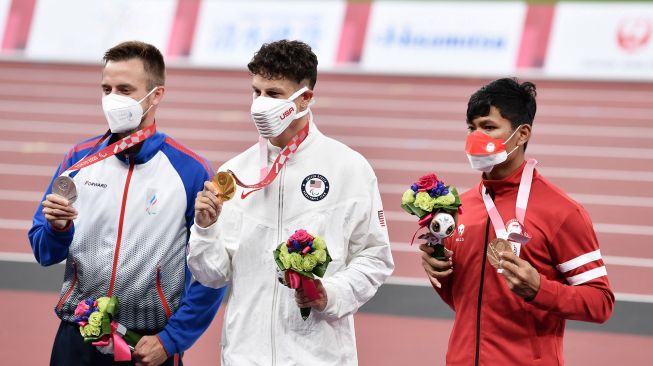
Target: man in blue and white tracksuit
point(127, 233)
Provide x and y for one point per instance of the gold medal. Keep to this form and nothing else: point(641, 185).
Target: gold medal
point(495, 247)
point(225, 184)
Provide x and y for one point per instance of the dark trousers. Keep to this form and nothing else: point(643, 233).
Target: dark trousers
point(69, 349)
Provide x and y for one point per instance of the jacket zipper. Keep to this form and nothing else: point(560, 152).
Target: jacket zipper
point(159, 289)
point(70, 290)
point(480, 295)
point(276, 283)
point(120, 225)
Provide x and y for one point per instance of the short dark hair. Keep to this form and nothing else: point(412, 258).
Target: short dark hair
point(150, 56)
point(515, 101)
point(293, 60)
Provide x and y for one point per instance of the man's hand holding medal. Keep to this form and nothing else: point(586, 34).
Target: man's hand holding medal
point(503, 252)
point(58, 210)
point(222, 188)
point(208, 203)
point(57, 207)
point(520, 276)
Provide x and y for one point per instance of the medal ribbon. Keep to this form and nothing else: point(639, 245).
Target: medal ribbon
point(113, 149)
point(263, 156)
point(278, 164)
point(520, 207)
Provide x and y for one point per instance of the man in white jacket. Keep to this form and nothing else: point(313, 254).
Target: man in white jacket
point(308, 181)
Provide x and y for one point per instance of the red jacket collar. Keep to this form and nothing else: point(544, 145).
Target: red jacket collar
point(508, 184)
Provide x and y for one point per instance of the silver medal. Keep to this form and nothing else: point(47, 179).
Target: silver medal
point(64, 186)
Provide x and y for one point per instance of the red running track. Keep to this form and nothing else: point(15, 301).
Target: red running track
point(382, 340)
point(593, 139)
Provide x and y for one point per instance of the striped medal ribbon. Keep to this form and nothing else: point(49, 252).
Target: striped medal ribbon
point(517, 237)
point(64, 185)
point(278, 164)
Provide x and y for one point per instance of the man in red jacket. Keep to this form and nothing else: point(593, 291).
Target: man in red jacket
point(511, 302)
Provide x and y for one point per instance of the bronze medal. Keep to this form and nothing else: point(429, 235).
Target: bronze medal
point(226, 185)
point(64, 186)
point(495, 247)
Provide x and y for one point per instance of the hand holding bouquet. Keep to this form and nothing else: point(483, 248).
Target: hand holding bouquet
point(301, 258)
point(95, 319)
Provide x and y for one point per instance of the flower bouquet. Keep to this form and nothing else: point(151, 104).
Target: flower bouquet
point(301, 258)
point(95, 319)
point(435, 204)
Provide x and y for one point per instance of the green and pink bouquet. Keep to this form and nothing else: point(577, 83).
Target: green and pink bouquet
point(436, 205)
point(301, 258)
point(95, 319)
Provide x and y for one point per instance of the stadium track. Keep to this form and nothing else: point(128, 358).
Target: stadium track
point(593, 139)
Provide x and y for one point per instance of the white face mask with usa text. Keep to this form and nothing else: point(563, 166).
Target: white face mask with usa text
point(272, 116)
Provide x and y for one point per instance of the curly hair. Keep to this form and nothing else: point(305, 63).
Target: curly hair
point(292, 60)
point(515, 101)
point(150, 56)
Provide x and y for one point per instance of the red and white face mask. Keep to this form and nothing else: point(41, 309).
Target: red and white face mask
point(484, 152)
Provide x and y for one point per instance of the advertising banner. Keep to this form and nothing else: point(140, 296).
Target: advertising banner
point(602, 40)
point(462, 38)
point(229, 32)
point(82, 30)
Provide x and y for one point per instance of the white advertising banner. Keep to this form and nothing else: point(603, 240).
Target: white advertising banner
point(82, 30)
point(229, 32)
point(463, 38)
point(4, 12)
point(601, 40)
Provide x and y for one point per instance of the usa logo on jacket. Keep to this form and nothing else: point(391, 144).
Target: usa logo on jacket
point(315, 187)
